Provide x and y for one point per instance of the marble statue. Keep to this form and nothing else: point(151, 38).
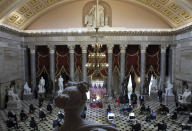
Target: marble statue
point(73, 100)
point(94, 18)
point(12, 96)
point(27, 90)
point(60, 84)
point(41, 85)
point(129, 86)
point(14, 103)
point(186, 97)
point(150, 85)
point(154, 84)
point(169, 89)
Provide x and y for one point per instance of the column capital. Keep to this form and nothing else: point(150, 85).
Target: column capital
point(84, 48)
point(123, 48)
point(163, 48)
point(32, 48)
point(71, 48)
point(110, 48)
point(51, 48)
point(143, 47)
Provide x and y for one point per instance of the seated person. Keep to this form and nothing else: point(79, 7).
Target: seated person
point(49, 108)
point(33, 124)
point(153, 115)
point(174, 116)
point(56, 123)
point(162, 126)
point(60, 115)
point(136, 127)
point(142, 109)
point(10, 114)
point(9, 123)
point(23, 116)
point(15, 121)
point(163, 109)
point(83, 114)
point(31, 109)
point(130, 108)
point(108, 109)
point(42, 115)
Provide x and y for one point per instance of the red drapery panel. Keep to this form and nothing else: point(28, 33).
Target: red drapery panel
point(132, 60)
point(116, 59)
point(103, 72)
point(78, 59)
point(153, 60)
point(42, 60)
point(62, 60)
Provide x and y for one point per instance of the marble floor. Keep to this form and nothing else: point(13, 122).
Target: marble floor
point(98, 115)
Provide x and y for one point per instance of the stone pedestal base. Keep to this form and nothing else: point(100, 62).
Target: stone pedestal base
point(28, 97)
point(168, 99)
point(41, 94)
point(14, 105)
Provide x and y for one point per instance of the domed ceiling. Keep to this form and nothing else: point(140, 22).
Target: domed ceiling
point(21, 13)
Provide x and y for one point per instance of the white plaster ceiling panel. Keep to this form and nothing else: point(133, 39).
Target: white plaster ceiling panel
point(170, 10)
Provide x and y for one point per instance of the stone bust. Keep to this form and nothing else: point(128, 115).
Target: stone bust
point(72, 100)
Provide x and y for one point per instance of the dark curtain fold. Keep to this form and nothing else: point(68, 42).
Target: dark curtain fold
point(116, 59)
point(62, 60)
point(132, 60)
point(78, 59)
point(153, 60)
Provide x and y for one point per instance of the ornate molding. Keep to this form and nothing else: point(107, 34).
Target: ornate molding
point(143, 47)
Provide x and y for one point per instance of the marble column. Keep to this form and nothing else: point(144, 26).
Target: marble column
point(142, 67)
point(172, 75)
point(163, 67)
point(72, 62)
point(52, 67)
point(33, 68)
point(84, 61)
point(26, 65)
point(122, 64)
point(109, 82)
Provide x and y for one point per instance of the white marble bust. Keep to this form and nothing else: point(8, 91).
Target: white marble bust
point(72, 100)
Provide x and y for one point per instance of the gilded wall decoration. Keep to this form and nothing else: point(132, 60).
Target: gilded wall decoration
point(26, 10)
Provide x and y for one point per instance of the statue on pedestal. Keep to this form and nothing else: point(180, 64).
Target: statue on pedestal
point(14, 102)
point(60, 84)
point(129, 86)
point(72, 100)
point(186, 97)
point(169, 89)
point(41, 85)
point(27, 90)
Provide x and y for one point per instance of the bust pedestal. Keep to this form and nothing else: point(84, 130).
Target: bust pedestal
point(14, 105)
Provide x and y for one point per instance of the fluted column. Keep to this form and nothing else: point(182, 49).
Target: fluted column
point(109, 82)
point(163, 66)
point(52, 67)
point(33, 68)
point(84, 61)
point(122, 64)
point(72, 62)
point(172, 75)
point(142, 67)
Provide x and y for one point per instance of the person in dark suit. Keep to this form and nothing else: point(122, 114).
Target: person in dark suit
point(33, 123)
point(136, 127)
point(49, 108)
point(23, 116)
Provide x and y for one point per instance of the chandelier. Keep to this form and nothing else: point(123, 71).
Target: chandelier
point(96, 58)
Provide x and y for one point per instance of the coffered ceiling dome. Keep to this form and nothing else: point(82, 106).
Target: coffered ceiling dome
point(21, 13)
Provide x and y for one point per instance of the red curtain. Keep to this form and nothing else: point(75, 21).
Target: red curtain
point(62, 60)
point(116, 59)
point(153, 60)
point(42, 60)
point(78, 59)
point(132, 60)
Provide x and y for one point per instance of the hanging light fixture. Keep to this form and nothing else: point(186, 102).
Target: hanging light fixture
point(96, 58)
